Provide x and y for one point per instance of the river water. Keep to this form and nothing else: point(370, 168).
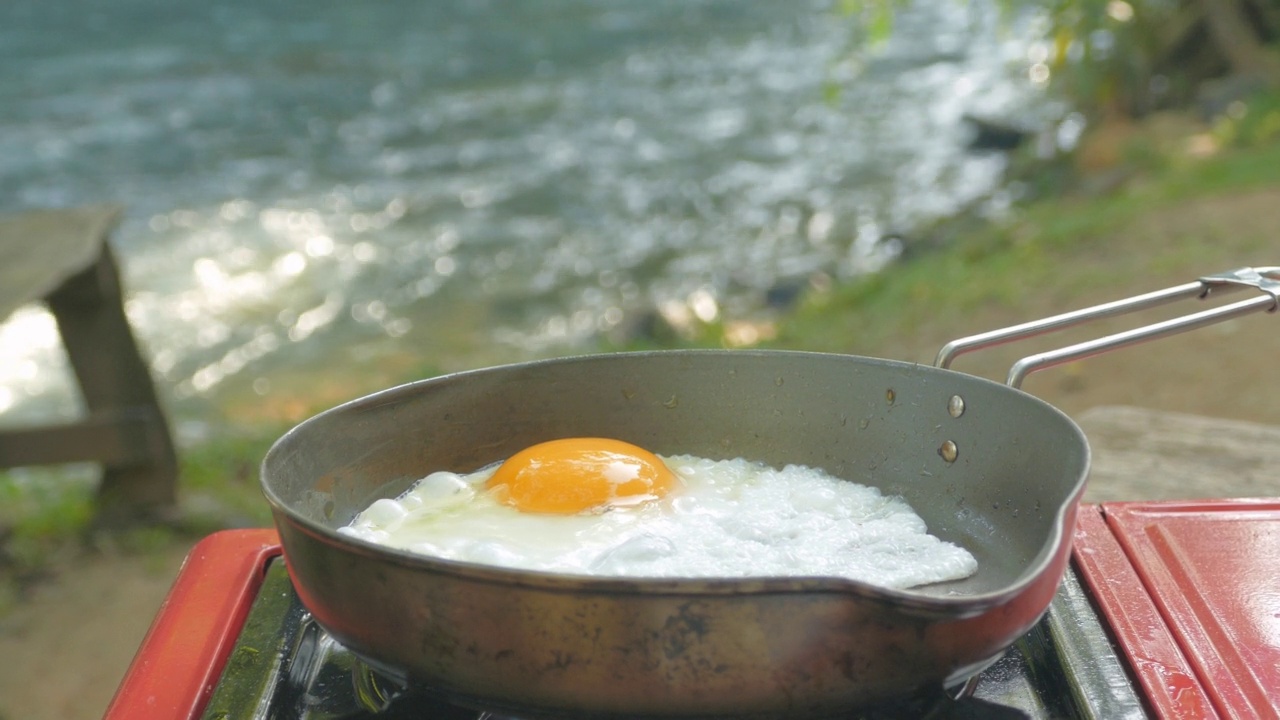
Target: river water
point(322, 184)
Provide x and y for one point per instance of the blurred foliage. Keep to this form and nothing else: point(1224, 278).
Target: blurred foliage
point(1254, 122)
point(41, 511)
point(220, 480)
point(1105, 55)
point(1130, 57)
point(874, 18)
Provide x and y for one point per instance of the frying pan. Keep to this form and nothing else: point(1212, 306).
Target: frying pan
point(987, 466)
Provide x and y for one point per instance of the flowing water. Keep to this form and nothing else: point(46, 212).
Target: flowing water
point(328, 185)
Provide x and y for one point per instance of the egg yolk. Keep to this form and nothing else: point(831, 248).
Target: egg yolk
point(574, 475)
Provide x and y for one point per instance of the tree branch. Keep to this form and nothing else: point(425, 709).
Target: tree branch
point(1232, 32)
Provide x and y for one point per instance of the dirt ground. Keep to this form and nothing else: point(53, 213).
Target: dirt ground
point(68, 645)
point(66, 648)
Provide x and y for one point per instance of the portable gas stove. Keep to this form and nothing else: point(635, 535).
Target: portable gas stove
point(1171, 609)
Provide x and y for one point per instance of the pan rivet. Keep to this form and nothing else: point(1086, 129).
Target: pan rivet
point(949, 451)
point(956, 406)
point(889, 396)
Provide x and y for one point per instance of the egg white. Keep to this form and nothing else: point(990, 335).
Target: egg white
point(731, 518)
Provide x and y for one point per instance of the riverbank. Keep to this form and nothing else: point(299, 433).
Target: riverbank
point(78, 610)
point(1187, 217)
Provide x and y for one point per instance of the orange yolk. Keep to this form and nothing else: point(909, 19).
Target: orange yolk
point(577, 474)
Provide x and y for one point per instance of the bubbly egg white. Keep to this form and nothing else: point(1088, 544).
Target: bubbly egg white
point(731, 518)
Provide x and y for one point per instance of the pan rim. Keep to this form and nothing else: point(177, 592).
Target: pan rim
point(911, 599)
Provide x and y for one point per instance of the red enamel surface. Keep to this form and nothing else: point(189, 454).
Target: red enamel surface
point(181, 657)
point(1213, 570)
point(1191, 591)
point(1158, 663)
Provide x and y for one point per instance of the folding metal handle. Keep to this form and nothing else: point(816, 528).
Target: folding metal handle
point(1264, 279)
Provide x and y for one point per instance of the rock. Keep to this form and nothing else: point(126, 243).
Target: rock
point(994, 135)
point(1214, 97)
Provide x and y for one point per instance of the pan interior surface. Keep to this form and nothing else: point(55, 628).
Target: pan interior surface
point(986, 466)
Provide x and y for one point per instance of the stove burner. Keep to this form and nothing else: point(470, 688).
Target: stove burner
point(404, 702)
point(941, 706)
point(931, 706)
point(284, 665)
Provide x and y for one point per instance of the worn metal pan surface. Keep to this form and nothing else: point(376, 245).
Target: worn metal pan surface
point(986, 465)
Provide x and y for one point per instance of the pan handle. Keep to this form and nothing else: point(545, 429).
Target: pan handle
point(1264, 279)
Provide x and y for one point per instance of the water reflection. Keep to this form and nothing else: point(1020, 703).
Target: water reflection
point(471, 183)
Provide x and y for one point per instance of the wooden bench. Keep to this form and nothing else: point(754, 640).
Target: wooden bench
point(63, 258)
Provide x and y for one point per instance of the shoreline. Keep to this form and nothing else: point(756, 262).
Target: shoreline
point(1194, 217)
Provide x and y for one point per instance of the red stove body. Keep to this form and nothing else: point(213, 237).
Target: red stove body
point(1188, 594)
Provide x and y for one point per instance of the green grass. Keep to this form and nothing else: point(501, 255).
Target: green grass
point(220, 481)
point(39, 507)
point(1002, 263)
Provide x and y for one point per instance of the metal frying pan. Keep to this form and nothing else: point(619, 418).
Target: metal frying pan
point(986, 465)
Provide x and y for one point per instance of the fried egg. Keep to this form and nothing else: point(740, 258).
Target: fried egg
point(594, 506)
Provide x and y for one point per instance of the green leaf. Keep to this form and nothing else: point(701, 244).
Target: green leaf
point(880, 25)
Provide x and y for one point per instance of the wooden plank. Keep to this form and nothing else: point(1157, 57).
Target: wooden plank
point(40, 249)
point(1141, 454)
point(113, 378)
point(124, 439)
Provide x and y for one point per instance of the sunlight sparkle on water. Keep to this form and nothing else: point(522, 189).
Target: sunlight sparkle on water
point(290, 265)
point(234, 281)
point(34, 330)
point(515, 199)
